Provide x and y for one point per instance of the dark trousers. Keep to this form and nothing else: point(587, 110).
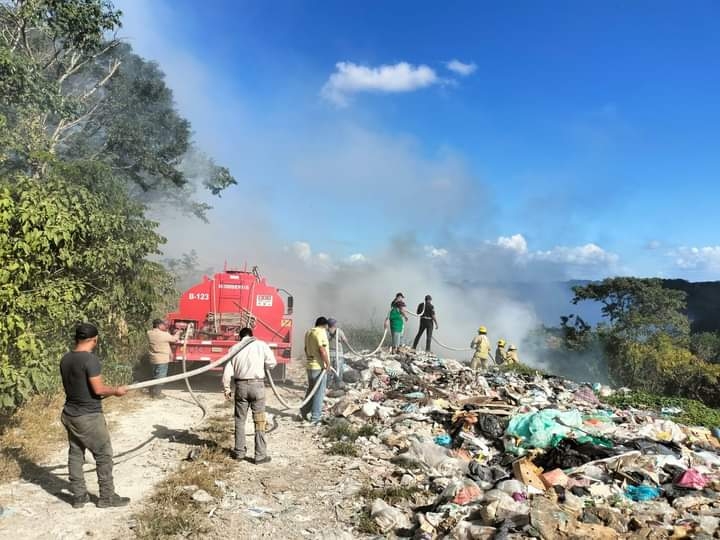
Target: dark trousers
point(89, 432)
point(426, 325)
point(250, 394)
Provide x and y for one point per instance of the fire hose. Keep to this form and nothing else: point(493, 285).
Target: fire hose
point(191, 373)
point(307, 399)
point(436, 340)
point(375, 351)
point(187, 379)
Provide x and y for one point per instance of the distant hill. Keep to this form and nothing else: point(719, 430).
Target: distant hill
point(553, 300)
point(703, 303)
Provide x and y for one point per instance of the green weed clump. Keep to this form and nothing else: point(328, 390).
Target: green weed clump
point(522, 369)
point(391, 494)
point(694, 412)
point(344, 431)
point(343, 448)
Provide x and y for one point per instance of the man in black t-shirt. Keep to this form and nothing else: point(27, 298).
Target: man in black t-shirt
point(84, 421)
point(426, 312)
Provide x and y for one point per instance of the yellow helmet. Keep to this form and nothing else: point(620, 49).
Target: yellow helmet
point(501, 343)
point(512, 348)
point(482, 330)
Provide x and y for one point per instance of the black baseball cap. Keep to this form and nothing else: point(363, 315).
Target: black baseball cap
point(85, 331)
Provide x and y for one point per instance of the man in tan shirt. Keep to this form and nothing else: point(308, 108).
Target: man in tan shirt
point(159, 340)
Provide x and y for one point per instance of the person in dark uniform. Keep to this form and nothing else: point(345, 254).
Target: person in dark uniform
point(84, 421)
point(427, 320)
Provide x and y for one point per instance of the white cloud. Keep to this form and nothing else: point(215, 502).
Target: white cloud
point(461, 68)
point(697, 258)
point(515, 243)
point(352, 78)
point(357, 258)
point(587, 255)
point(654, 244)
point(433, 252)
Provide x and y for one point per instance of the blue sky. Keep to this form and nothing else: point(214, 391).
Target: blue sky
point(573, 140)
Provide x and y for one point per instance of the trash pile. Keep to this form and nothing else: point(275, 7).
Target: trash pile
point(504, 455)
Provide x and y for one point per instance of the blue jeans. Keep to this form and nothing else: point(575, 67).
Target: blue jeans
point(316, 403)
point(396, 339)
point(160, 371)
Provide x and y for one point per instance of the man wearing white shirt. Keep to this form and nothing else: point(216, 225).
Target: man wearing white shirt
point(247, 371)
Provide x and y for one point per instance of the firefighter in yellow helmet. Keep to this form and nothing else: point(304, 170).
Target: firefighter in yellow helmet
point(481, 358)
point(512, 356)
point(500, 354)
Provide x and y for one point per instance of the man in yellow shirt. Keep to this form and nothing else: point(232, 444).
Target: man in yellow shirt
point(318, 359)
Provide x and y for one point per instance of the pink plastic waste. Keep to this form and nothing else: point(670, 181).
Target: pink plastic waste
point(691, 479)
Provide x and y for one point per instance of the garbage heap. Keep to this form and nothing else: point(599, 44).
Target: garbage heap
point(504, 456)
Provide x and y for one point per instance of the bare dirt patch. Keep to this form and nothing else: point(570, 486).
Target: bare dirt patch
point(303, 493)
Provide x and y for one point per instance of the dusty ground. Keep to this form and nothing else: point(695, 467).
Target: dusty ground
point(299, 495)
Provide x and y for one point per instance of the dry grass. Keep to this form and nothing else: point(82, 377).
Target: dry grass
point(31, 434)
point(171, 512)
point(34, 432)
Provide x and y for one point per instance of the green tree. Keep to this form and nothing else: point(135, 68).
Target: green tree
point(638, 308)
point(88, 134)
point(706, 345)
point(72, 93)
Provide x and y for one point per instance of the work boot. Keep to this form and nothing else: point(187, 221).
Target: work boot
point(266, 459)
point(239, 456)
point(113, 501)
point(80, 501)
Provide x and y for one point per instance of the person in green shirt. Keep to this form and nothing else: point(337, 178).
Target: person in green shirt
point(397, 319)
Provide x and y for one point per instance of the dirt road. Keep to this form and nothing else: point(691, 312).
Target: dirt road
point(298, 495)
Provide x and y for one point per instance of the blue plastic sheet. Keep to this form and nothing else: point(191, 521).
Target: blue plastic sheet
point(443, 440)
point(540, 429)
point(642, 493)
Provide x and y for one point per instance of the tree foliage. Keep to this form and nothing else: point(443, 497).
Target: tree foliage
point(646, 338)
point(638, 308)
point(73, 94)
point(88, 135)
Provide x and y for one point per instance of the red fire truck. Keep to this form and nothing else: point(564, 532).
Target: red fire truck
point(219, 306)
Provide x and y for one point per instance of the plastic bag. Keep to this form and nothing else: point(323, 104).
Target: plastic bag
point(462, 492)
point(432, 456)
point(388, 517)
point(691, 479)
point(537, 430)
point(490, 426)
point(642, 493)
point(443, 440)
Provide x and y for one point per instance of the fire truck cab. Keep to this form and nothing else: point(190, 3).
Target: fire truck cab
point(220, 306)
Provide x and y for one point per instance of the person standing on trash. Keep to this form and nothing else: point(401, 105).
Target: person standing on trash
point(512, 356)
point(396, 319)
point(427, 320)
point(500, 354)
point(336, 339)
point(318, 359)
point(159, 340)
point(83, 418)
point(247, 371)
point(481, 357)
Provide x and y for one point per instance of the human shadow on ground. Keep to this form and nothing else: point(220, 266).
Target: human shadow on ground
point(40, 476)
